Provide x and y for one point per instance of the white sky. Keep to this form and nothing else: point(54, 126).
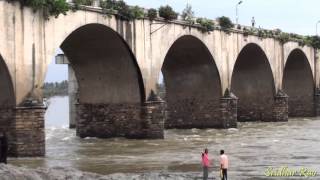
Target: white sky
point(297, 16)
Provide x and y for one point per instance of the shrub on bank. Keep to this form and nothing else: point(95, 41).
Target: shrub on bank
point(225, 22)
point(48, 7)
point(121, 9)
point(188, 14)
point(207, 24)
point(152, 14)
point(167, 13)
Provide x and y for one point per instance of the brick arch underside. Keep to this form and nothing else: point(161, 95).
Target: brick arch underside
point(7, 100)
point(193, 86)
point(252, 82)
point(104, 66)
point(299, 85)
point(111, 89)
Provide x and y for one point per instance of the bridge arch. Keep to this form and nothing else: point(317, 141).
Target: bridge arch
point(7, 99)
point(253, 83)
point(193, 85)
point(105, 67)
point(299, 84)
point(7, 95)
point(110, 85)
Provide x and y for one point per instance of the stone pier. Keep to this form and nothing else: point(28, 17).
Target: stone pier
point(228, 108)
point(73, 96)
point(26, 131)
point(193, 113)
point(317, 102)
point(280, 108)
point(121, 120)
point(204, 114)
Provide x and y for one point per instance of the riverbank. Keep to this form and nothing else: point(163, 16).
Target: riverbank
point(10, 172)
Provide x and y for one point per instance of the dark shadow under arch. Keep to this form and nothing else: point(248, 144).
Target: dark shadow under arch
point(105, 67)
point(193, 86)
point(299, 85)
point(7, 95)
point(7, 98)
point(110, 84)
point(252, 82)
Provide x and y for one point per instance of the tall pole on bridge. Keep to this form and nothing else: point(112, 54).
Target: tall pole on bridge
point(317, 27)
point(237, 16)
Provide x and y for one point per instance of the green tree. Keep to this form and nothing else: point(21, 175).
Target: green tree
point(56, 7)
point(283, 37)
point(137, 12)
point(167, 13)
point(206, 24)
point(152, 13)
point(225, 22)
point(188, 14)
point(121, 9)
point(55, 89)
point(48, 7)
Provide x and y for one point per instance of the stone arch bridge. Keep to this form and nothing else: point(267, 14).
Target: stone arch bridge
point(212, 79)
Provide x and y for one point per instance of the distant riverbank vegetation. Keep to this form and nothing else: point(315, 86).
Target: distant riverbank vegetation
point(55, 89)
point(120, 9)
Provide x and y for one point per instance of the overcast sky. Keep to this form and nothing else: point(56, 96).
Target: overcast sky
point(298, 16)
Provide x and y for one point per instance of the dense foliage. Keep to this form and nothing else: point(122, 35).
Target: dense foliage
point(78, 3)
point(55, 89)
point(207, 24)
point(188, 14)
point(283, 37)
point(83, 2)
point(48, 7)
point(225, 22)
point(121, 9)
point(167, 13)
point(314, 41)
point(152, 14)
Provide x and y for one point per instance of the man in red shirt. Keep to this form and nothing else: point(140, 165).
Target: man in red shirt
point(205, 164)
point(224, 164)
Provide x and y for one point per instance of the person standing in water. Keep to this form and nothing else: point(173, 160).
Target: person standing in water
point(206, 163)
point(224, 165)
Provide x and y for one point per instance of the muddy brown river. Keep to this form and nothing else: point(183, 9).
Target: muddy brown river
point(251, 148)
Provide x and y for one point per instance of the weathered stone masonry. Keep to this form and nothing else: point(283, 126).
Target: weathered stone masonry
point(29, 133)
point(6, 124)
point(280, 107)
point(126, 120)
point(25, 130)
point(317, 102)
point(193, 113)
point(228, 108)
point(207, 114)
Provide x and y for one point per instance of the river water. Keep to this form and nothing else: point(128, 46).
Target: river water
point(251, 148)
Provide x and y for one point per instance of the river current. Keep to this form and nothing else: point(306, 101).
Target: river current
point(251, 148)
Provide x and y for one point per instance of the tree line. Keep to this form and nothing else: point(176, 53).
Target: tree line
point(51, 89)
